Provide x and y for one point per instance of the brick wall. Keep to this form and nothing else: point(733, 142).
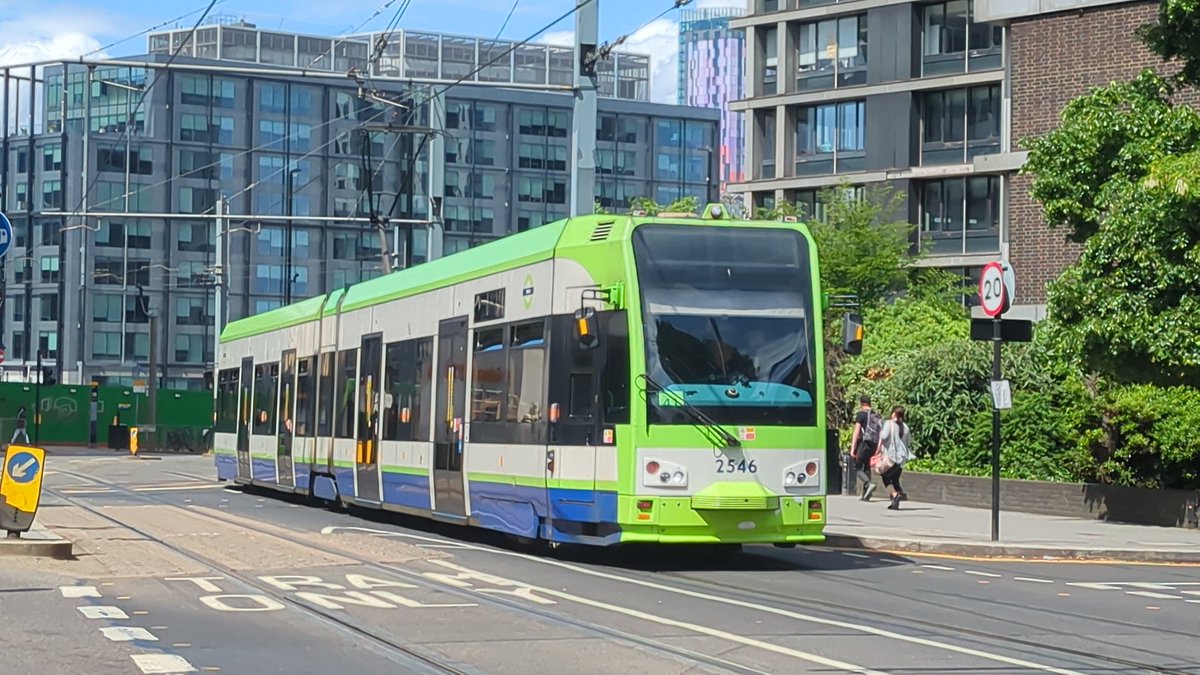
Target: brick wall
point(1056, 58)
point(1100, 502)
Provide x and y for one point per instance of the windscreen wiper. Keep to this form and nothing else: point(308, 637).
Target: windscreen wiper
point(707, 422)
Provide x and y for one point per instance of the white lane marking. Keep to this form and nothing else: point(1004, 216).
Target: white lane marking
point(127, 633)
point(459, 546)
point(870, 630)
point(170, 488)
point(893, 562)
point(102, 612)
point(857, 555)
point(703, 630)
point(983, 574)
point(939, 567)
point(79, 591)
point(1034, 580)
point(1094, 585)
point(162, 664)
point(1152, 594)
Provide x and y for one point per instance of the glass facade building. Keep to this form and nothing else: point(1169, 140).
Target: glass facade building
point(711, 74)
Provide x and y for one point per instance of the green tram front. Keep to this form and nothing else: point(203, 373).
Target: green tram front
point(726, 443)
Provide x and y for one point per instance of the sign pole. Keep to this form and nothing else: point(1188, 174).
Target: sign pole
point(996, 377)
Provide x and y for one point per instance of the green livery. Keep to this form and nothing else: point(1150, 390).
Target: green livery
point(599, 380)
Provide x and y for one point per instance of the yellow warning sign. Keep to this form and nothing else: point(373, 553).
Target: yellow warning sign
point(133, 440)
point(20, 486)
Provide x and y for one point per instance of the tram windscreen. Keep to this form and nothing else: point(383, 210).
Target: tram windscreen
point(728, 315)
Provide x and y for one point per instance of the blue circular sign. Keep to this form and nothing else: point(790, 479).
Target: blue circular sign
point(23, 467)
point(6, 235)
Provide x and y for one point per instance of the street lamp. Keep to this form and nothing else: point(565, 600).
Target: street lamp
point(708, 173)
point(287, 244)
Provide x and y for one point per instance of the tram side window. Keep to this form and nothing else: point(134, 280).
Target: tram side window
point(408, 380)
point(368, 393)
point(614, 382)
point(306, 383)
point(287, 394)
point(487, 376)
point(227, 403)
point(526, 373)
point(266, 386)
point(325, 397)
point(347, 380)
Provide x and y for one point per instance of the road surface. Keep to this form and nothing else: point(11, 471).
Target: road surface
point(177, 573)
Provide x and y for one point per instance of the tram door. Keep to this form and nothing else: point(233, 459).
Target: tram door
point(286, 417)
point(366, 445)
point(448, 435)
point(245, 405)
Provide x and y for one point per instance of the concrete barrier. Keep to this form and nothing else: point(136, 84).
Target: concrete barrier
point(1169, 508)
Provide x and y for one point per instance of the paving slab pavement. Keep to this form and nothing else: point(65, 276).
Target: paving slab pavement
point(957, 530)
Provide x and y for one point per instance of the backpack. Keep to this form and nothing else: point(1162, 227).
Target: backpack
point(870, 432)
point(896, 449)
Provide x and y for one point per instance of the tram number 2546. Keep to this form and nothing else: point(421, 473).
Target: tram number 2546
point(736, 466)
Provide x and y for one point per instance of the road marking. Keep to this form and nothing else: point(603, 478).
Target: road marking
point(261, 603)
point(1034, 580)
point(1152, 608)
point(102, 612)
point(162, 664)
point(458, 546)
point(140, 612)
point(893, 562)
point(205, 583)
point(983, 574)
point(1064, 595)
point(1152, 594)
point(127, 633)
point(180, 645)
point(79, 591)
point(870, 630)
point(983, 581)
point(939, 567)
point(172, 488)
point(857, 555)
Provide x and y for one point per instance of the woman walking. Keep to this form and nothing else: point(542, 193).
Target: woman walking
point(894, 444)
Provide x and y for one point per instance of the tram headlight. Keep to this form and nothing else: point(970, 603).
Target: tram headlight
point(790, 478)
point(805, 474)
point(665, 477)
point(678, 478)
point(663, 474)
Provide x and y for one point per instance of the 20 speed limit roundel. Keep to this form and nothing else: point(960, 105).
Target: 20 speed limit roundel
point(993, 296)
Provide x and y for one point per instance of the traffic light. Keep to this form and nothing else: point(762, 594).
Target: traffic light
point(852, 334)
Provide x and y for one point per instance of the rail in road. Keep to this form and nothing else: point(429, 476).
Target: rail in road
point(544, 603)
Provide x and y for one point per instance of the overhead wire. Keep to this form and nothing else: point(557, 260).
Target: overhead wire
point(146, 89)
point(350, 30)
point(144, 32)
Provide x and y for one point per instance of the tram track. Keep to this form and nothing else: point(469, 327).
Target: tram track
point(427, 660)
point(737, 592)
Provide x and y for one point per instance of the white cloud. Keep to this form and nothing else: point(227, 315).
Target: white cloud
point(560, 38)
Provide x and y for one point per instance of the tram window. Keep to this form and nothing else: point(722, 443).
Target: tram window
point(287, 394)
point(325, 397)
point(347, 379)
point(487, 376)
point(580, 405)
point(489, 306)
point(266, 386)
point(526, 373)
point(306, 382)
point(614, 381)
point(227, 404)
point(408, 378)
point(368, 392)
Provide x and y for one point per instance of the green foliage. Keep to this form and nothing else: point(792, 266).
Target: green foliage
point(1177, 36)
point(599, 209)
point(863, 250)
point(1142, 435)
point(652, 208)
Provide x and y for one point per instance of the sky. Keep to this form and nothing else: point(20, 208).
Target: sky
point(32, 30)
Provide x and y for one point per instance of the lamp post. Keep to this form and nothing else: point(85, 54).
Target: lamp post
point(708, 174)
point(287, 244)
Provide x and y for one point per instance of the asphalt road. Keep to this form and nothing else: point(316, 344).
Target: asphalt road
point(178, 574)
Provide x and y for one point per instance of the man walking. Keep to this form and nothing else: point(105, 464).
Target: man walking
point(864, 442)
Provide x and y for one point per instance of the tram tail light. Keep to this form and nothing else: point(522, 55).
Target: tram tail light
point(811, 469)
point(645, 505)
point(814, 510)
point(652, 467)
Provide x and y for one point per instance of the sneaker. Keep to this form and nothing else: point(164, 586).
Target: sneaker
point(895, 505)
point(868, 492)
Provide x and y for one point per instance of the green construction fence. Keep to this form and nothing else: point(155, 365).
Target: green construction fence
point(65, 410)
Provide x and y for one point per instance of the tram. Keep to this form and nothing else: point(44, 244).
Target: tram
point(600, 380)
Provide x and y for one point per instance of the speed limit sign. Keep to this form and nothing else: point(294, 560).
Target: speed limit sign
point(994, 289)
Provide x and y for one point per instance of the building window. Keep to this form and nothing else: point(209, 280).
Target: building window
point(206, 91)
point(52, 157)
point(952, 42)
point(829, 138)
point(49, 269)
point(272, 98)
point(197, 200)
point(49, 307)
point(204, 164)
point(959, 125)
point(107, 308)
point(139, 161)
point(18, 346)
point(832, 53)
point(106, 345)
point(960, 215)
point(301, 136)
point(268, 279)
point(52, 196)
point(195, 238)
point(18, 305)
point(202, 129)
point(270, 132)
point(767, 131)
point(189, 348)
point(192, 312)
point(48, 344)
point(770, 55)
point(137, 345)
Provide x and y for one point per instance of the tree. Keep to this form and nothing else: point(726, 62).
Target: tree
point(1119, 175)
